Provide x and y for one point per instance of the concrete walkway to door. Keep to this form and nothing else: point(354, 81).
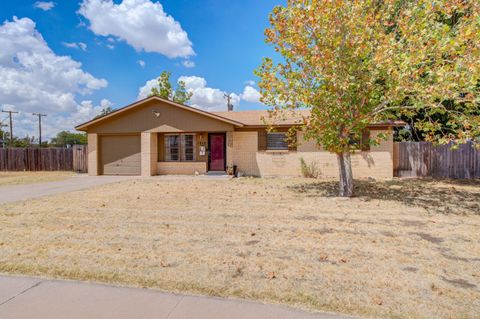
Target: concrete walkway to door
point(9, 194)
point(22, 297)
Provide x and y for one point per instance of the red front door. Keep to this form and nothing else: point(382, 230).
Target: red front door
point(217, 152)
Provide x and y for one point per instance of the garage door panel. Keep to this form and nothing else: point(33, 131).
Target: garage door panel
point(121, 155)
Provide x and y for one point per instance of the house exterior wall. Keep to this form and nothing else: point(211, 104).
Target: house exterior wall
point(230, 149)
point(245, 149)
point(181, 168)
point(376, 163)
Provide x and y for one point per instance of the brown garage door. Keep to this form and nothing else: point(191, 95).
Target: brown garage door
point(120, 155)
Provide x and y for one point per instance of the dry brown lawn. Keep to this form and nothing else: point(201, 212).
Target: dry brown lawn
point(402, 249)
point(18, 178)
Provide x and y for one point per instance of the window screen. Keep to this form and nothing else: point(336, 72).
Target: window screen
point(277, 141)
point(189, 147)
point(172, 147)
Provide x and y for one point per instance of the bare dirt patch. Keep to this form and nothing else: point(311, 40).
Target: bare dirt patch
point(263, 239)
point(19, 178)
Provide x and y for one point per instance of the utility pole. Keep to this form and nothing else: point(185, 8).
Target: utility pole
point(11, 124)
point(39, 127)
point(228, 97)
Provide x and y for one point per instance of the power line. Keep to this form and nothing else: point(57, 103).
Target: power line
point(11, 124)
point(39, 127)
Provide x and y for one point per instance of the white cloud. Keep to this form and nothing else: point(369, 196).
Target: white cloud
point(44, 5)
point(188, 64)
point(25, 123)
point(141, 63)
point(110, 46)
point(250, 82)
point(35, 79)
point(76, 45)
point(250, 94)
point(204, 97)
point(207, 98)
point(141, 23)
point(145, 90)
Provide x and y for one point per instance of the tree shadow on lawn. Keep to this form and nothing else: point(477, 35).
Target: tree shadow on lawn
point(451, 197)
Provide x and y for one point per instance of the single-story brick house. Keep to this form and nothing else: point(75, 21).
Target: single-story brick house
point(155, 137)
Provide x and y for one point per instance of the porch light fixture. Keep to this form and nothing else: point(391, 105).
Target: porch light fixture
point(156, 113)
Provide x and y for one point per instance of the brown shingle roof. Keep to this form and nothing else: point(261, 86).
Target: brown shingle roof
point(255, 118)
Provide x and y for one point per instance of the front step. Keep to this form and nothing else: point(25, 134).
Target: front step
point(217, 173)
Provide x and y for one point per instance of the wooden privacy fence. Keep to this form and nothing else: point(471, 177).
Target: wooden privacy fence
point(80, 158)
point(44, 159)
point(423, 159)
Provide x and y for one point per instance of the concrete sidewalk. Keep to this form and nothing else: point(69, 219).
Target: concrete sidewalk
point(9, 194)
point(22, 297)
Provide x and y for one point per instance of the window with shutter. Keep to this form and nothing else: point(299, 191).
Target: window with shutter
point(277, 141)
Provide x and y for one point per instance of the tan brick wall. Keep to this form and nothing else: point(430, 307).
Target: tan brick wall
point(377, 163)
point(181, 168)
point(93, 154)
point(245, 146)
point(306, 146)
point(149, 153)
point(385, 145)
point(230, 148)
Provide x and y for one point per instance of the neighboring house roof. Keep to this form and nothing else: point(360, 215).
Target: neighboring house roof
point(253, 118)
point(84, 126)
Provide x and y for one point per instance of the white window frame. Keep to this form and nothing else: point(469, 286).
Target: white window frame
point(181, 147)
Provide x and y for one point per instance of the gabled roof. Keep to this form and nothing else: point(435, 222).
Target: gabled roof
point(254, 118)
point(84, 126)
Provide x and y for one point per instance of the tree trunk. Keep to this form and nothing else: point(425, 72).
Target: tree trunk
point(345, 172)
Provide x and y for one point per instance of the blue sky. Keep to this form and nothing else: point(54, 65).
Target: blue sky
point(214, 45)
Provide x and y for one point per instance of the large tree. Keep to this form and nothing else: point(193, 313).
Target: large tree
point(106, 110)
point(164, 89)
point(352, 63)
point(65, 138)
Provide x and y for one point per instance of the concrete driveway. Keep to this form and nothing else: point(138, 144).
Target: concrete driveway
point(15, 193)
point(22, 297)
